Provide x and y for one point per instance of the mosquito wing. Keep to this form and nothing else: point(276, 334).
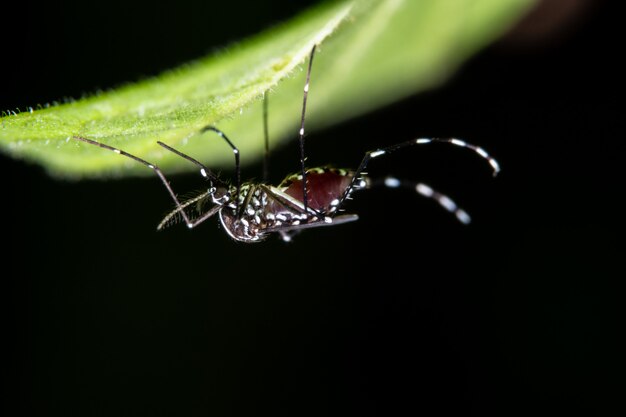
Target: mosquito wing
point(345, 218)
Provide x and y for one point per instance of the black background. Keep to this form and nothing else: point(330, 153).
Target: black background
point(404, 311)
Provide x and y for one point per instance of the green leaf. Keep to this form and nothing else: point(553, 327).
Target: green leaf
point(372, 52)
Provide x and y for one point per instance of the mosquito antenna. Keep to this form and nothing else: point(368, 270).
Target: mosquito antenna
point(302, 156)
point(166, 220)
point(266, 135)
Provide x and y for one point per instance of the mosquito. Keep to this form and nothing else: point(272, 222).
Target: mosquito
point(314, 197)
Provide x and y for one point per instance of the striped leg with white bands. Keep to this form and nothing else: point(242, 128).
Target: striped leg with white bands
point(495, 166)
point(458, 142)
point(427, 191)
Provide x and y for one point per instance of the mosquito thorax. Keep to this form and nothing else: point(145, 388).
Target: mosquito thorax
point(245, 218)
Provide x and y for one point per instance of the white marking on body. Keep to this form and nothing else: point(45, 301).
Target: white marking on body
point(117, 151)
point(250, 211)
point(494, 164)
point(328, 219)
point(424, 190)
point(295, 222)
point(281, 217)
point(377, 153)
point(257, 219)
point(423, 140)
point(482, 152)
point(302, 132)
point(458, 142)
point(203, 172)
point(447, 203)
point(463, 216)
point(189, 225)
point(334, 202)
point(245, 222)
point(151, 166)
point(306, 87)
point(269, 216)
point(392, 182)
point(235, 151)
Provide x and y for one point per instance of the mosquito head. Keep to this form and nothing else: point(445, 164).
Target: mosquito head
point(219, 194)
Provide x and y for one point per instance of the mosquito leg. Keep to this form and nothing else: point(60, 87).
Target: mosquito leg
point(358, 182)
point(426, 191)
point(266, 136)
point(204, 171)
point(156, 170)
point(301, 132)
point(495, 166)
point(236, 152)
